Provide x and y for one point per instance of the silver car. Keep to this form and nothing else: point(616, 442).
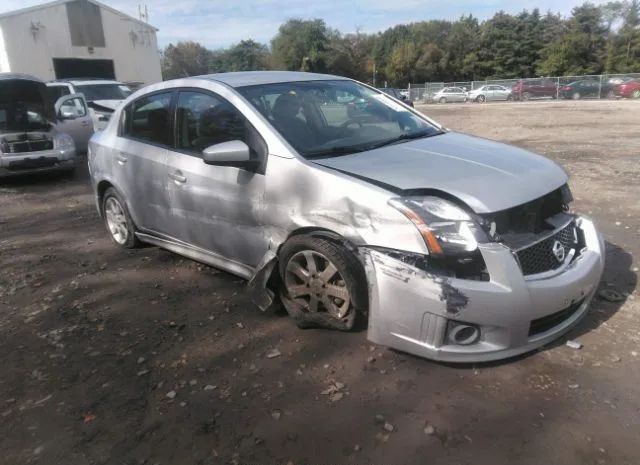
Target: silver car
point(490, 92)
point(33, 130)
point(352, 209)
point(450, 94)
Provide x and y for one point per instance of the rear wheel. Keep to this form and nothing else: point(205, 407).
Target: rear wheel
point(636, 94)
point(118, 220)
point(323, 283)
point(576, 96)
point(509, 98)
point(526, 96)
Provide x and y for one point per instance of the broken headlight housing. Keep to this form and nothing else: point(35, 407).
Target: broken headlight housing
point(447, 229)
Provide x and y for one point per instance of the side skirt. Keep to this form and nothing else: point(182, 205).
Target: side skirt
point(199, 255)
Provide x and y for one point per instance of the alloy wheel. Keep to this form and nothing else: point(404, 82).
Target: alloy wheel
point(315, 283)
point(116, 220)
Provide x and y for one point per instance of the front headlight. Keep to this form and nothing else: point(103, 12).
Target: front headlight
point(446, 228)
point(63, 142)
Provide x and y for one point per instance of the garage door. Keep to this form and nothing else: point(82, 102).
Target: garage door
point(66, 68)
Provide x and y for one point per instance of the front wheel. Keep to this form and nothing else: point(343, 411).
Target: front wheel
point(636, 94)
point(323, 283)
point(526, 96)
point(118, 221)
point(442, 100)
point(576, 96)
point(481, 99)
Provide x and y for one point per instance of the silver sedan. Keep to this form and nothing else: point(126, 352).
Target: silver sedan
point(490, 92)
point(353, 209)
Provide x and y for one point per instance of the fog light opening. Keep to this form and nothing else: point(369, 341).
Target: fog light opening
point(464, 335)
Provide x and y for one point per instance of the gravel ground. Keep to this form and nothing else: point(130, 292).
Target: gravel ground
point(142, 357)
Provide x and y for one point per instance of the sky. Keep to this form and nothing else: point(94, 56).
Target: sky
point(220, 23)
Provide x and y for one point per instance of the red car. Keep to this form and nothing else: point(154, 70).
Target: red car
point(528, 88)
point(630, 89)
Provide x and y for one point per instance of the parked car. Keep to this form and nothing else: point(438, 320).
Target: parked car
point(490, 92)
point(450, 94)
point(456, 248)
point(525, 89)
point(31, 128)
point(629, 89)
point(102, 96)
point(620, 79)
point(586, 88)
point(397, 94)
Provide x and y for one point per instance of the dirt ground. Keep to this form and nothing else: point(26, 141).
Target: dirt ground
point(143, 357)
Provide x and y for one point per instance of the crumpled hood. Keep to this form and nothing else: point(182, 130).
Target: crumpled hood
point(107, 104)
point(488, 176)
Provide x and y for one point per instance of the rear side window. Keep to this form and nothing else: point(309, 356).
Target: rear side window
point(204, 119)
point(148, 119)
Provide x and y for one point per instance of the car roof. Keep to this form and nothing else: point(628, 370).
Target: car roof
point(85, 81)
point(252, 78)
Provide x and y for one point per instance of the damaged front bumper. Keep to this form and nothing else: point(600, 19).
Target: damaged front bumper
point(14, 164)
point(421, 313)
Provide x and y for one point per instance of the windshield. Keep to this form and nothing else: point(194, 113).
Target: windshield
point(103, 91)
point(332, 118)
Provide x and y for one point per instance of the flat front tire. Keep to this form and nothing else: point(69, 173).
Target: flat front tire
point(322, 283)
point(118, 221)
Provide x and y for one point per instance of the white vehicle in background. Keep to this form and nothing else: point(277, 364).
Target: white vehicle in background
point(490, 92)
point(450, 94)
point(102, 96)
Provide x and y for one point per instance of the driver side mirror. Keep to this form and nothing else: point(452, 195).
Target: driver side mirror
point(233, 153)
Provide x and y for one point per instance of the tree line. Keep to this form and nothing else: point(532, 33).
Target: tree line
point(594, 39)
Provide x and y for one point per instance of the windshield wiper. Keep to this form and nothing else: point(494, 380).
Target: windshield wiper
point(335, 151)
point(405, 136)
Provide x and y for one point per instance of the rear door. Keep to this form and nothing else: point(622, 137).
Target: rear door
point(73, 118)
point(140, 157)
point(215, 208)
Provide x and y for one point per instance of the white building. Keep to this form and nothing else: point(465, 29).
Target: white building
point(78, 38)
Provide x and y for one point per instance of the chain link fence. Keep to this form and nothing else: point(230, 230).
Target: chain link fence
point(609, 86)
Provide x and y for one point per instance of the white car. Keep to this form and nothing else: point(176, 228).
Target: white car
point(490, 92)
point(450, 94)
point(102, 96)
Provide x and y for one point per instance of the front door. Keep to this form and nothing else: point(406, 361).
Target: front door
point(74, 119)
point(216, 208)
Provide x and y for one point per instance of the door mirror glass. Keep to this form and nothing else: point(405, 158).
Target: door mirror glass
point(233, 153)
point(70, 107)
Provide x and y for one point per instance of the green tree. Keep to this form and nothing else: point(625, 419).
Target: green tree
point(247, 55)
point(184, 59)
point(581, 49)
point(301, 45)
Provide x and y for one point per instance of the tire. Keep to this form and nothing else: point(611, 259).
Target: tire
point(118, 221)
point(525, 96)
point(442, 100)
point(636, 94)
point(305, 269)
point(610, 94)
point(481, 99)
point(576, 96)
point(509, 98)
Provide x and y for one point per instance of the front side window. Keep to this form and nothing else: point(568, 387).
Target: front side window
point(204, 120)
point(331, 118)
point(55, 92)
point(148, 119)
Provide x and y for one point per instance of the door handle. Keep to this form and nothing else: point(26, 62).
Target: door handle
point(121, 159)
point(178, 177)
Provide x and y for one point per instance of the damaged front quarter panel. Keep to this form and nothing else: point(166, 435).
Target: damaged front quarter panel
point(394, 288)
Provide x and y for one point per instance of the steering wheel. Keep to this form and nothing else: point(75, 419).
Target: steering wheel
point(343, 127)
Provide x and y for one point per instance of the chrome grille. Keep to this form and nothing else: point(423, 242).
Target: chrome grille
point(539, 257)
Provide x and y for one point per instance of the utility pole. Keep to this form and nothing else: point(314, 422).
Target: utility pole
point(374, 74)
